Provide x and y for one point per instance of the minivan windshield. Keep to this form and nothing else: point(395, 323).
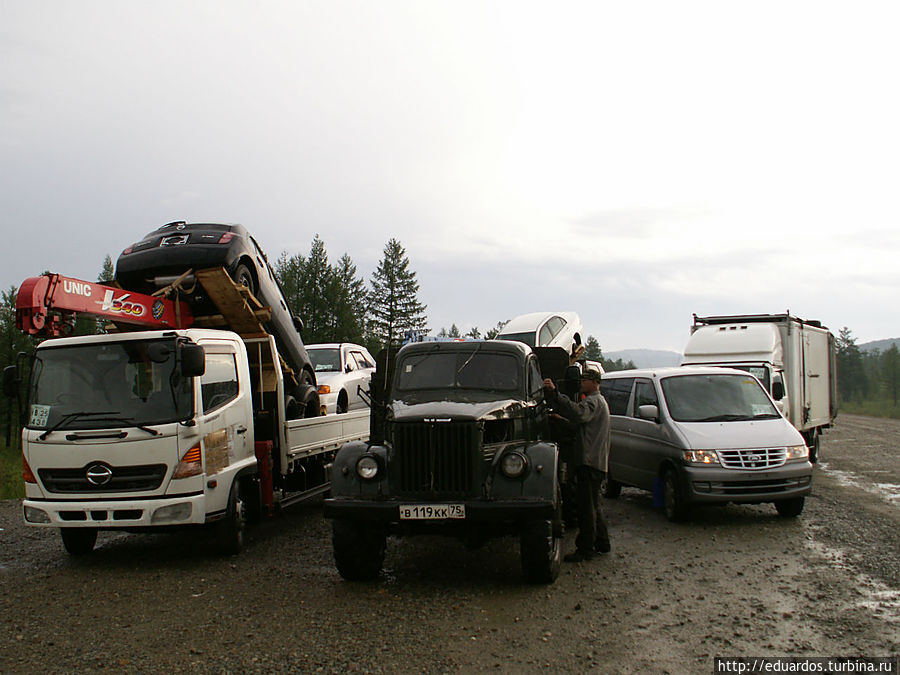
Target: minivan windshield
point(108, 385)
point(716, 398)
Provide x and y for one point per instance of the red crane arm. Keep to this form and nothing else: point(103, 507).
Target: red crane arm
point(45, 303)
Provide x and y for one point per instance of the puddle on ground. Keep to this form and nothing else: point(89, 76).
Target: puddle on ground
point(890, 492)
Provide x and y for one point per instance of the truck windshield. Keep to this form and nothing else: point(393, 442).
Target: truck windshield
point(761, 373)
point(716, 398)
point(108, 385)
point(527, 338)
point(325, 360)
point(487, 371)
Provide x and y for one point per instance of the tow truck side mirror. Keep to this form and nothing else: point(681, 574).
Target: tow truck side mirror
point(10, 381)
point(193, 361)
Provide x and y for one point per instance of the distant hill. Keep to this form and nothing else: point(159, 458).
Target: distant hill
point(880, 345)
point(646, 358)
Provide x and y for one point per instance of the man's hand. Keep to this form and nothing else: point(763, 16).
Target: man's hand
point(548, 384)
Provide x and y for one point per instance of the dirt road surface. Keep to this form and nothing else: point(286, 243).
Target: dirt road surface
point(734, 581)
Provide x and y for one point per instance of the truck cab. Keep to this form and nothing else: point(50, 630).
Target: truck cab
point(459, 446)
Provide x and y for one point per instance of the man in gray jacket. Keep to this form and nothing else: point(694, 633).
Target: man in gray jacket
point(591, 415)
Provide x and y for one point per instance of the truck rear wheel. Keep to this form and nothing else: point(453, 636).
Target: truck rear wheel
point(308, 396)
point(230, 532)
point(541, 552)
point(358, 549)
point(790, 508)
point(78, 540)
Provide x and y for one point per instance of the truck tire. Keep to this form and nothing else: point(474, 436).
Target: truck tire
point(814, 448)
point(78, 540)
point(541, 552)
point(609, 488)
point(674, 503)
point(790, 508)
point(358, 549)
point(230, 530)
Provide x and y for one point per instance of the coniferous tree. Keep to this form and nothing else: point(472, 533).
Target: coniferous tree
point(851, 377)
point(394, 307)
point(348, 299)
point(592, 351)
point(107, 271)
point(492, 333)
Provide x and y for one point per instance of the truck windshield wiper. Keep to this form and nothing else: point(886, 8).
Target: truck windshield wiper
point(71, 417)
point(130, 422)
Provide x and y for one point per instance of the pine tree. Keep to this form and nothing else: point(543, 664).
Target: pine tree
point(851, 377)
point(394, 305)
point(492, 333)
point(348, 300)
point(592, 351)
point(107, 271)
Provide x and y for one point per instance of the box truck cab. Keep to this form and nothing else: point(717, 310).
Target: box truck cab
point(794, 360)
point(702, 436)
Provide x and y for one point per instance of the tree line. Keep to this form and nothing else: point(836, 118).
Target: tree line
point(868, 381)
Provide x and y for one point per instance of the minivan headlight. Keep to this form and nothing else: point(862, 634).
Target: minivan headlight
point(705, 457)
point(797, 453)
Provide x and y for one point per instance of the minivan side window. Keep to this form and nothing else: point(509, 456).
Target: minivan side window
point(617, 392)
point(644, 394)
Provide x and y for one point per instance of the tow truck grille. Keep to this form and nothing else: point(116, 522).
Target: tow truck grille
point(758, 458)
point(123, 479)
point(437, 457)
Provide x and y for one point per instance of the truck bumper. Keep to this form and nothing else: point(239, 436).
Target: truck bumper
point(477, 511)
point(118, 514)
point(709, 485)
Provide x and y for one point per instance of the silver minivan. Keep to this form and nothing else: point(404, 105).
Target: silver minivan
point(702, 435)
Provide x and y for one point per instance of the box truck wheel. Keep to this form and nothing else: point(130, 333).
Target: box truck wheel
point(307, 395)
point(541, 552)
point(358, 549)
point(79, 540)
point(674, 503)
point(790, 508)
point(230, 534)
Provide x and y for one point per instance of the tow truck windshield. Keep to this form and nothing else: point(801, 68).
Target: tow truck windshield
point(110, 385)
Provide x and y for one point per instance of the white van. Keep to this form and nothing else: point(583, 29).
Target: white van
point(703, 435)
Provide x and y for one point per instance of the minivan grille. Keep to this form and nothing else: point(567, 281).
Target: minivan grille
point(758, 458)
point(437, 457)
point(122, 479)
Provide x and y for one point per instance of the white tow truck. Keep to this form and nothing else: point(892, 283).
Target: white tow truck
point(170, 427)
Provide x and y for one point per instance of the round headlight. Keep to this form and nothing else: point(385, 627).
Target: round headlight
point(367, 467)
point(513, 464)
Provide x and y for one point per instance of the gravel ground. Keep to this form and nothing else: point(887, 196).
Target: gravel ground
point(734, 581)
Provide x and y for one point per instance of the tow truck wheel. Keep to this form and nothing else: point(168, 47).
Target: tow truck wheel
point(79, 540)
point(231, 528)
point(307, 395)
point(358, 549)
point(541, 552)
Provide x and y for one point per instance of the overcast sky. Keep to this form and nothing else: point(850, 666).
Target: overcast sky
point(634, 162)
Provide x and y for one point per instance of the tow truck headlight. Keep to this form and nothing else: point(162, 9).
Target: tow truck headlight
point(33, 515)
point(704, 457)
point(797, 453)
point(513, 464)
point(367, 467)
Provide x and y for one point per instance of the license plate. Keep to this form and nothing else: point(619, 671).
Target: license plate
point(432, 511)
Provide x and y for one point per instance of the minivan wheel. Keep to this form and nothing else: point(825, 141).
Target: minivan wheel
point(790, 508)
point(610, 488)
point(673, 500)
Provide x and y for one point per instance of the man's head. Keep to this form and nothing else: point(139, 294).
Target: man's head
point(590, 381)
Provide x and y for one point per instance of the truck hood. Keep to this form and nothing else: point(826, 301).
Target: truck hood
point(772, 433)
point(457, 410)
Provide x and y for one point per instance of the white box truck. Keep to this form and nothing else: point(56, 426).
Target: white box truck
point(793, 358)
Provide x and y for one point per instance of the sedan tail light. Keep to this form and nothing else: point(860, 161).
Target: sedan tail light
point(225, 238)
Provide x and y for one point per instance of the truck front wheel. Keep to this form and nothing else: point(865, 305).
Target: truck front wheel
point(79, 540)
point(358, 549)
point(230, 533)
point(790, 508)
point(541, 552)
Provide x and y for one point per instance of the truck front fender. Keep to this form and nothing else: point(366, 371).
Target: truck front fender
point(540, 479)
point(345, 482)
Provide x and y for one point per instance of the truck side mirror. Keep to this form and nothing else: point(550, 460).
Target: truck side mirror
point(193, 361)
point(649, 412)
point(11, 381)
point(777, 391)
